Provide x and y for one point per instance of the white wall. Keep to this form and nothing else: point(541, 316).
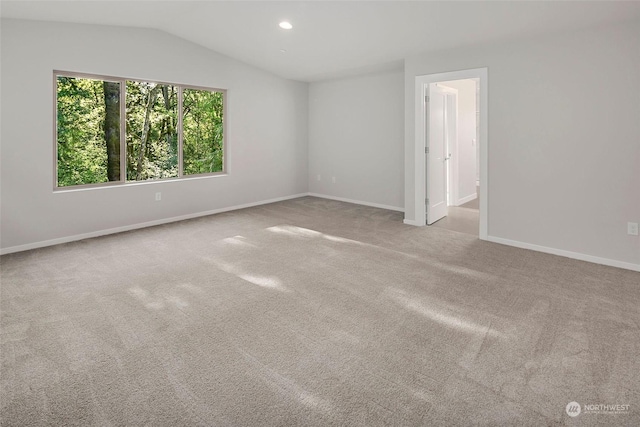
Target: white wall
point(564, 157)
point(266, 128)
point(356, 134)
point(465, 150)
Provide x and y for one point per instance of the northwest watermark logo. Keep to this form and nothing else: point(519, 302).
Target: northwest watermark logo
point(574, 409)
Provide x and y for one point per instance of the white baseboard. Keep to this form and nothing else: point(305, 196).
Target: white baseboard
point(467, 199)
point(105, 232)
point(412, 222)
point(568, 254)
point(357, 202)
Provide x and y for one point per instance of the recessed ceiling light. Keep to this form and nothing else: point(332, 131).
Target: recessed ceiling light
point(285, 25)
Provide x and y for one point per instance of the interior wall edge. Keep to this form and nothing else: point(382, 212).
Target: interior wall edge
point(105, 232)
point(358, 202)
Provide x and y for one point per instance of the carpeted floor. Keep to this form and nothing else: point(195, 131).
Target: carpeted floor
point(312, 312)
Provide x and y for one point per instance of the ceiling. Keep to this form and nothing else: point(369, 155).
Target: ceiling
point(332, 38)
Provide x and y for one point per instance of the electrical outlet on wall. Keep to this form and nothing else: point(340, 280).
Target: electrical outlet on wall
point(158, 196)
point(319, 178)
point(632, 228)
point(333, 179)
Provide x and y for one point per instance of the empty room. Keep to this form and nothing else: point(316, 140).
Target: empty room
point(319, 213)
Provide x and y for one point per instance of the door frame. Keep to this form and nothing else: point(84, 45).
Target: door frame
point(421, 89)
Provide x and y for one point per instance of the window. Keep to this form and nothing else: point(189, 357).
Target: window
point(113, 130)
point(202, 131)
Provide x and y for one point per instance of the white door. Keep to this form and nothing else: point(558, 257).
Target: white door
point(437, 155)
point(451, 146)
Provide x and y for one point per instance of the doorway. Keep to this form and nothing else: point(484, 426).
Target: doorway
point(476, 150)
point(460, 142)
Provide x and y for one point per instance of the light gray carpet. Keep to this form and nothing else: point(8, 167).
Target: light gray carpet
point(312, 313)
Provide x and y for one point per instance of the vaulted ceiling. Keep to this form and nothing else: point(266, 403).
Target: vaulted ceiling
point(332, 38)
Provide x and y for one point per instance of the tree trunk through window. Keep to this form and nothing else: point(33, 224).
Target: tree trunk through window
point(153, 96)
point(112, 128)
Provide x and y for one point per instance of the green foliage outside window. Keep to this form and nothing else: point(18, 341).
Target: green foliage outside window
point(82, 151)
point(152, 134)
point(88, 131)
point(202, 130)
